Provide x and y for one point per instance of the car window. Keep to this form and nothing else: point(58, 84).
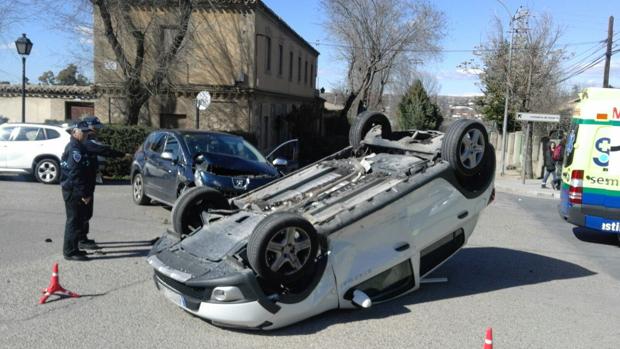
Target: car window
point(158, 144)
point(570, 144)
point(172, 146)
point(222, 144)
point(52, 134)
point(28, 134)
point(150, 139)
point(288, 151)
point(5, 133)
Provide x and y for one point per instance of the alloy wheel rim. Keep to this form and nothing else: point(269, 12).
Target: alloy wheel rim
point(472, 148)
point(137, 188)
point(47, 172)
point(288, 250)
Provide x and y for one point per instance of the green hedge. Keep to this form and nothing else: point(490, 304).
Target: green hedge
point(126, 139)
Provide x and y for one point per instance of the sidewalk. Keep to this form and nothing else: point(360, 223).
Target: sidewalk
point(511, 183)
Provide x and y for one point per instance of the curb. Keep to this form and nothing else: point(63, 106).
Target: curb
point(548, 194)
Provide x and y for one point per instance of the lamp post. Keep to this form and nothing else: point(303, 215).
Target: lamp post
point(23, 45)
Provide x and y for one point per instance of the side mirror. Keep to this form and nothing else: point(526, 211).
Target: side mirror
point(200, 159)
point(168, 156)
point(279, 162)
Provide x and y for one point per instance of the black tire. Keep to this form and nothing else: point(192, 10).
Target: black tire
point(465, 146)
point(363, 123)
point(137, 189)
point(47, 171)
point(187, 212)
point(273, 242)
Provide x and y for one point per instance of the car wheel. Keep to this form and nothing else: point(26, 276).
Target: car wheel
point(283, 248)
point(465, 146)
point(137, 186)
point(190, 212)
point(47, 171)
point(363, 123)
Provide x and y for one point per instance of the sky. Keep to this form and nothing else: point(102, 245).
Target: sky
point(468, 22)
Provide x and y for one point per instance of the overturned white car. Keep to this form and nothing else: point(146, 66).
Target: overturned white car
point(359, 227)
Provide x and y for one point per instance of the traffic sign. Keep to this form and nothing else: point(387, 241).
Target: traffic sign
point(537, 117)
point(203, 99)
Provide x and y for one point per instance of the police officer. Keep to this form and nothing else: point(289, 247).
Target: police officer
point(93, 150)
point(77, 190)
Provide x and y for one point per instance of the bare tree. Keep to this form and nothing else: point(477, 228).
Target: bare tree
point(132, 33)
point(534, 76)
point(373, 35)
point(130, 50)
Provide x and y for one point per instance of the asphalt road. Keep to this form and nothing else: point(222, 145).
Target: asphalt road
point(524, 273)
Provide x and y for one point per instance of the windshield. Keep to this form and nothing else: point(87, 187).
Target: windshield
point(222, 144)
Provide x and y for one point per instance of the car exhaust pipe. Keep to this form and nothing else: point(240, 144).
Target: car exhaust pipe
point(361, 299)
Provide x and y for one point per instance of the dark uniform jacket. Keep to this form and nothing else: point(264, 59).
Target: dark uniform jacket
point(548, 159)
point(75, 164)
point(94, 149)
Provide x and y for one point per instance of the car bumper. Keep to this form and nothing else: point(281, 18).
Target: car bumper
point(234, 185)
point(601, 219)
point(247, 314)
point(254, 310)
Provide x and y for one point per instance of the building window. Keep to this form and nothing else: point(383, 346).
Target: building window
point(280, 57)
point(268, 67)
point(311, 74)
point(290, 66)
point(298, 69)
point(306, 72)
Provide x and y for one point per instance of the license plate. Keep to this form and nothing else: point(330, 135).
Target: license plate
point(174, 297)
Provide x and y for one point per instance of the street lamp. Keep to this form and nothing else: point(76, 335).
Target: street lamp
point(23, 45)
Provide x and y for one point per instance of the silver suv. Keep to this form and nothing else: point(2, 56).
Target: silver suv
point(32, 149)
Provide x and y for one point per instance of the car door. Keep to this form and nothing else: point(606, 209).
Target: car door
point(25, 145)
point(170, 168)
point(288, 151)
point(392, 239)
point(151, 170)
point(5, 136)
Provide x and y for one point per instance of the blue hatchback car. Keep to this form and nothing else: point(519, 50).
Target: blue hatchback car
point(171, 161)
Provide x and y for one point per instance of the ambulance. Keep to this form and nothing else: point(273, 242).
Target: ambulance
point(590, 194)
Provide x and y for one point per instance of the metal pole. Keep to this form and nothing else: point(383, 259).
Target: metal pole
point(610, 38)
point(23, 89)
point(109, 110)
point(526, 143)
point(197, 117)
point(506, 99)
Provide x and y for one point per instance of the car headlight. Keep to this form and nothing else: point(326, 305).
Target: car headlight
point(226, 294)
point(198, 178)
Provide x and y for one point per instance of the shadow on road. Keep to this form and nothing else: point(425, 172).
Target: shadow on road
point(17, 178)
point(57, 297)
point(121, 249)
point(472, 271)
point(595, 237)
point(107, 181)
point(103, 254)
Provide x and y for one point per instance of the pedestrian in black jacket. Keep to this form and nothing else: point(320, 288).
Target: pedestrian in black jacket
point(549, 164)
point(77, 190)
point(93, 150)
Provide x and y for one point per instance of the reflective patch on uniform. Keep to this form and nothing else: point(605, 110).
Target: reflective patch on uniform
point(76, 156)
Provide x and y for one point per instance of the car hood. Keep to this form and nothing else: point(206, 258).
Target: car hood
point(227, 165)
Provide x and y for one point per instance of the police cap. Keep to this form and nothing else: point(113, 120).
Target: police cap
point(93, 122)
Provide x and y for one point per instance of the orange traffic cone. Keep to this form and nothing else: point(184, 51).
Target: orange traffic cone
point(488, 339)
point(55, 288)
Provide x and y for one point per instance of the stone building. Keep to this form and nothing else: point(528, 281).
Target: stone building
point(257, 69)
point(46, 102)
